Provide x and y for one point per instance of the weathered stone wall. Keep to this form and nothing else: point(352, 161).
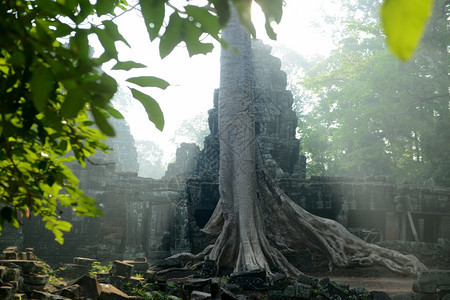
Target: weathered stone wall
point(142, 216)
point(375, 209)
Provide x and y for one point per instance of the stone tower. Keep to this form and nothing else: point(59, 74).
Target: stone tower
point(276, 122)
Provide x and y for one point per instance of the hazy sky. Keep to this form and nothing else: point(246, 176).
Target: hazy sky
point(193, 80)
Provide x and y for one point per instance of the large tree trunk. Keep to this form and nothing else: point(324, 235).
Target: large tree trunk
point(256, 222)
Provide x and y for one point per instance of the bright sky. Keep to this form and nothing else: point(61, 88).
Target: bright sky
point(193, 80)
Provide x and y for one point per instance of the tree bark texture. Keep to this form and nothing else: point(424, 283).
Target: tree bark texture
point(255, 221)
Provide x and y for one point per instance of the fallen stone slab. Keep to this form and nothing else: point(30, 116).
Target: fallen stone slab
point(73, 291)
point(82, 261)
point(279, 281)
point(89, 286)
point(309, 280)
point(138, 266)
point(35, 279)
point(121, 268)
point(249, 281)
point(11, 253)
point(27, 266)
point(7, 292)
point(41, 295)
point(110, 292)
point(304, 291)
point(198, 295)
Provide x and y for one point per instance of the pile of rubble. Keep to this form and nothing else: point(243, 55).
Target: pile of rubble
point(22, 276)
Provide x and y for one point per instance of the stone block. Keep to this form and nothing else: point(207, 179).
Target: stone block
point(150, 276)
point(425, 296)
point(139, 266)
point(432, 281)
point(7, 292)
point(29, 266)
point(304, 291)
point(309, 280)
point(209, 269)
point(35, 279)
point(29, 288)
point(11, 253)
point(136, 281)
point(72, 291)
point(110, 292)
point(103, 277)
point(289, 291)
point(41, 295)
point(84, 261)
point(118, 281)
point(140, 259)
point(279, 281)
point(121, 268)
point(198, 295)
point(249, 280)
point(247, 283)
point(379, 295)
point(3, 271)
point(89, 286)
point(12, 274)
point(72, 271)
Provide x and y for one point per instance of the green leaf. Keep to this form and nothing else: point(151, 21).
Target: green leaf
point(9, 215)
point(223, 10)
point(114, 112)
point(153, 12)
point(101, 122)
point(104, 7)
point(155, 115)
point(48, 6)
point(80, 44)
point(113, 31)
point(41, 86)
point(107, 42)
point(192, 39)
point(243, 8)
point(72, 104)
point(149, 81)
point(128, 65)
point(209, 23)
point(403, 22)
point(172, 36)
point(17, 59)
point(273, 11)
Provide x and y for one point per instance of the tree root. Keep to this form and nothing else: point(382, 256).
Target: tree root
point(283, 226)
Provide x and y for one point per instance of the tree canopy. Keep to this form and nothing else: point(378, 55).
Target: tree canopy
point(53, 91)
point(376, 115)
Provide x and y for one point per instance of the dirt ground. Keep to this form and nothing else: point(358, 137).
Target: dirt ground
point(373, 279)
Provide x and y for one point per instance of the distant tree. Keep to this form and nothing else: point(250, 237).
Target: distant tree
point(376, 115)
point(150, 159)
point(193, 130)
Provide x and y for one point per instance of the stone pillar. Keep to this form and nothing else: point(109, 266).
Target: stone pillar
point(444, 225)
point(403, 226)
point(392, 226)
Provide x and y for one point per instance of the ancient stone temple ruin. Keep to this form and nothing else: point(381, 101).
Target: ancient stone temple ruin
point(157, 218)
